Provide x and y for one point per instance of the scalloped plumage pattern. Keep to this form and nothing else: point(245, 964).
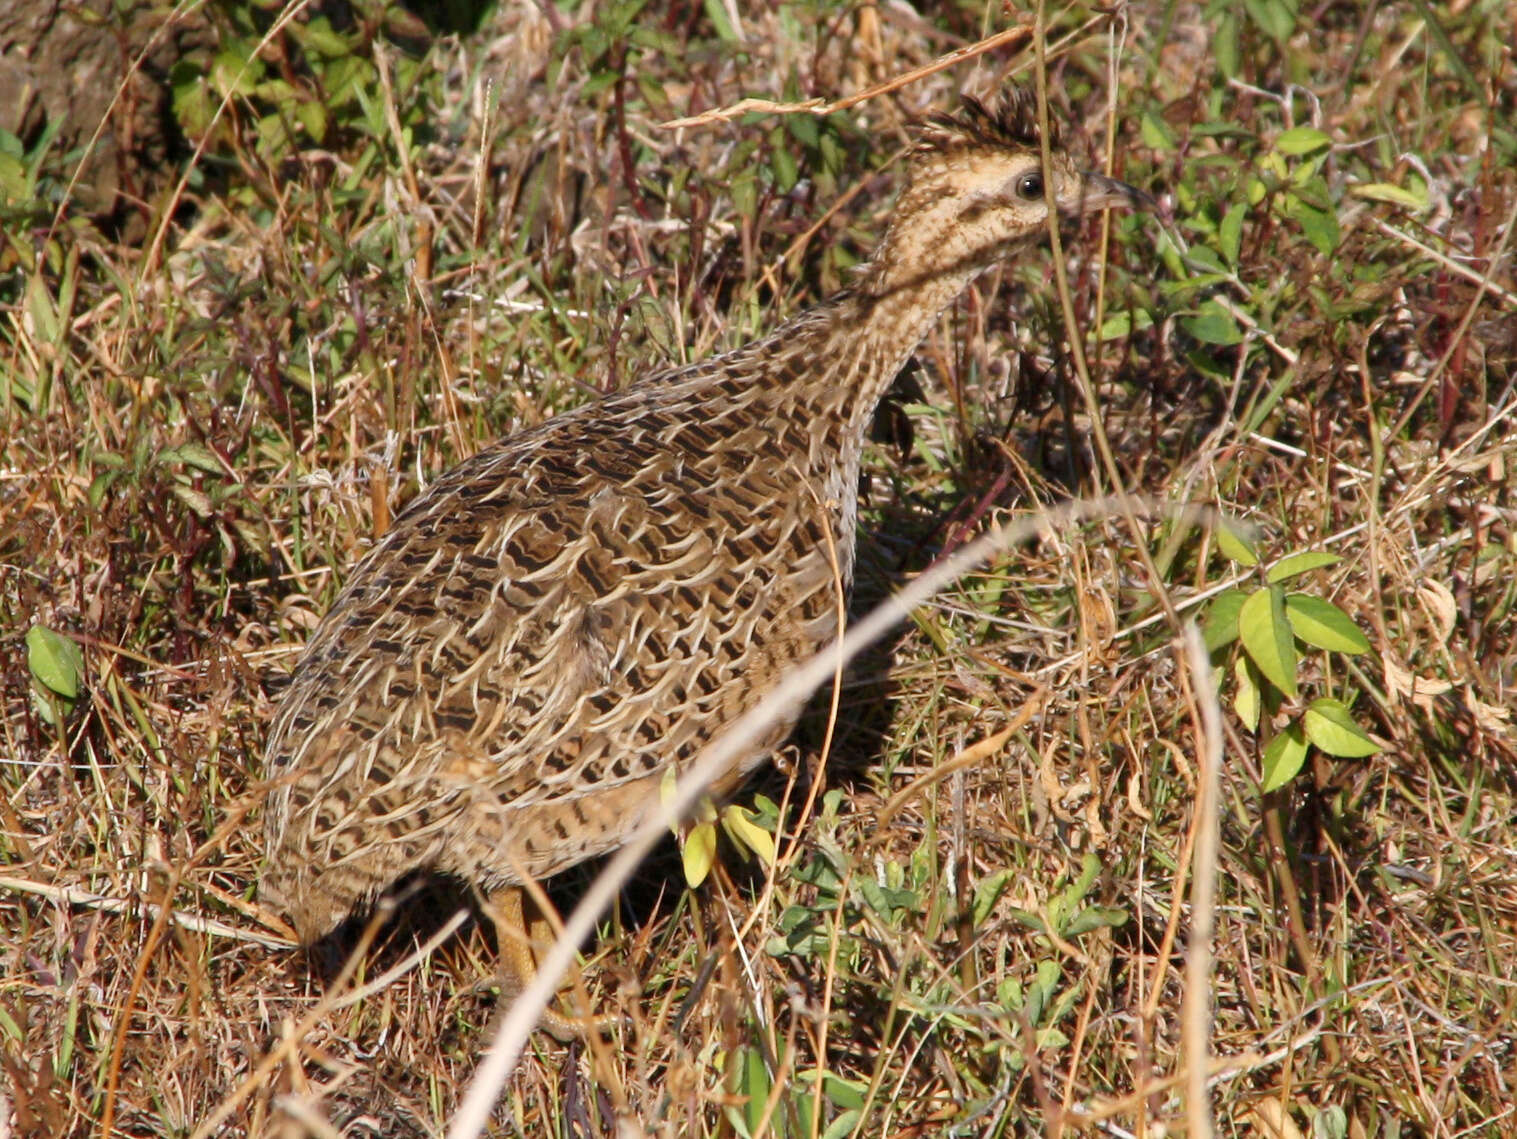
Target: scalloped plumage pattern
point(554, 623)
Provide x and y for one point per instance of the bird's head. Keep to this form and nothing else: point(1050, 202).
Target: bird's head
point(977, 188)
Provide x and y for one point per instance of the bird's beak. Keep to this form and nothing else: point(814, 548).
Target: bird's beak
point(1103, 193)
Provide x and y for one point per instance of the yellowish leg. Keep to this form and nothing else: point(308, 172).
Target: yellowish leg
point(520, 965)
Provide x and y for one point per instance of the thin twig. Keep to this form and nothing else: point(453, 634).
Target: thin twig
point(413, 959)
point(289, 1042)
point(1485, 285)
point(970, 756)
point(1472, 275)
point(1020, 35)
point(1196, 1003)
point(86, 899)
point(231, 824)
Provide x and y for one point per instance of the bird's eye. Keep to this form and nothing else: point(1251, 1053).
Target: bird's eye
point(1030, 187)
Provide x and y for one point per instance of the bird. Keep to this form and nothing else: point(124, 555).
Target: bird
point(555, 623)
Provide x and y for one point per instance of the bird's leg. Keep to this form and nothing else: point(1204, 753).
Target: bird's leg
point(516, 938)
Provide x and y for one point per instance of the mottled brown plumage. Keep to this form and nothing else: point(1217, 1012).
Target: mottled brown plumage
point(553, 624)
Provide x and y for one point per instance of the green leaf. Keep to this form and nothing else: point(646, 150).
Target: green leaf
point(716, 12)
point(9, 1027)
point(667, 786)
point(1071, 898)
point(273, 135)
point(1095, 917)
point(1191, 285)
point(1067, 902)
point(194, 99)
point(1246, 699)
point(1276, 18)
point(845, 1093)
point(1330, 726)
point(1222, 619)
point(782, 164)
point(1208, 258)
point(42, 310)
point(318, 37)
point(1294, 565)
point(1169, 253)
point(197, 501)
point(1267, 637)
point(889, 902)
point(1331, 1122)
point(987, 893)
point(194, 455)
point(738, 822)
point(55, 660)
point(1283, 757)
point(347, 79)
point(1323, 625)
point(99, 485)
point(1043, 993)
point(1236, 544)
point(233, 74)
point(767, 811)
point(1230, 233)
point(1156, 133)
point(699, 852)
point(1213, 324)
point(805, 129)
point(313, 116)
point(1319, 225)
point(744, 190)
point(1125, 323)
point(1395, 195)
point(1302, 140)
point(1225, 47)
point(753, 1081)
point(14, 184)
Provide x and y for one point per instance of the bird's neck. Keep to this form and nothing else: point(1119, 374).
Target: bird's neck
point(847, 351)
point(824, 371)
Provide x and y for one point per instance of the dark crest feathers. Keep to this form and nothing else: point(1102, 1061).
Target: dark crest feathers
point(1010, 121)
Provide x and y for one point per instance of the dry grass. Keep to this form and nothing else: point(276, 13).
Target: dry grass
point(200, 438)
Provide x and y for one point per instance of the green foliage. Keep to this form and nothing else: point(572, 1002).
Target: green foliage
point(298, 83)
point(795, 1113)
point(1242, 31)
point(1266, 631)
point(1257, 250)
point(848, 915)
point(1069, 913)
point(750, 830)
point(57, 668)
point(22, 172)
